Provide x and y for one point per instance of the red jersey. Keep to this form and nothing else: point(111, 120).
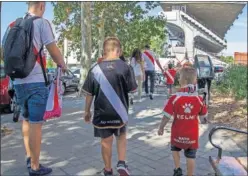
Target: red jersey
point(170, 76)
point(185, 108)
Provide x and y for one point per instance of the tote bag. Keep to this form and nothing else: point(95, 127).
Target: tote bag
point(54, 102)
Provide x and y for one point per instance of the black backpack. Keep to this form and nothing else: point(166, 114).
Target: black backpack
point(19, 56)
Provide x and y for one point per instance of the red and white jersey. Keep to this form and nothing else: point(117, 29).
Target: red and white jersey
point(170, 76)
point(185, 108)
point(150, 59)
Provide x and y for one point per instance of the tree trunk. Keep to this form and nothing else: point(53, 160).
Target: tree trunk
point(101, 34)
point(86, 41)
point(1, 54)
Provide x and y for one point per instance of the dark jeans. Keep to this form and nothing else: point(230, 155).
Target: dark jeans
point(151, 75)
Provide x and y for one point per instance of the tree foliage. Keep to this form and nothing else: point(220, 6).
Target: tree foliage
point(126, 20)
point(227, 59)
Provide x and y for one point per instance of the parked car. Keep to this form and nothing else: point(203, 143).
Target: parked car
point(6, 102)
point(70, 81)
point(219, 73)
point(76, 72)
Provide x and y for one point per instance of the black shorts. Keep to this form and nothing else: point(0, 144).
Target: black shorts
point(189, 153)
point(105, 133)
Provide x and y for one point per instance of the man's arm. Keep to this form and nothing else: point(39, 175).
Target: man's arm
point(56, 54)
point(159, 65)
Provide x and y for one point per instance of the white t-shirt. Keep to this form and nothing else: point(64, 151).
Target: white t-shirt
point(136, 67)
point(149, 64)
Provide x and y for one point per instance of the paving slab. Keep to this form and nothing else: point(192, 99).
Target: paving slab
point(68, 145)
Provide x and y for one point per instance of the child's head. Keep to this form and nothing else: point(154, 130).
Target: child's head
point(188, 75)
point(170, 65)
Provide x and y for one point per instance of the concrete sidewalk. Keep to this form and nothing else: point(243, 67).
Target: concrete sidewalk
point(69, 148)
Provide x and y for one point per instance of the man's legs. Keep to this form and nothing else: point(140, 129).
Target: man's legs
point(25, 134)
point(152, 81)
point(107, 152)
point(34, 144)
point(146, 81)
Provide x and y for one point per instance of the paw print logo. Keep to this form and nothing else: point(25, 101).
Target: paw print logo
point(187, 108)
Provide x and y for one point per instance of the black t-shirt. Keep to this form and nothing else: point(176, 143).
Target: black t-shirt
point(122, 80)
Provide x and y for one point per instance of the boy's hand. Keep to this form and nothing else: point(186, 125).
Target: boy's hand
point(160, 131)
point(87, 117)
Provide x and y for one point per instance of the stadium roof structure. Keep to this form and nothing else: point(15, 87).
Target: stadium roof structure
point(216, 16)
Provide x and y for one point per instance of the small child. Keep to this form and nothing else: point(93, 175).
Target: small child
point(170, 75)
point(185, 107)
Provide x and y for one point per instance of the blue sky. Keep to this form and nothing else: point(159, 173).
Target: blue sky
point(236, 36)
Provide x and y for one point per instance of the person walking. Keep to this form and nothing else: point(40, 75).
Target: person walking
point(186, 108)
point(31, 90)
point(110, 81)
point(137, 62)
point(150, 59)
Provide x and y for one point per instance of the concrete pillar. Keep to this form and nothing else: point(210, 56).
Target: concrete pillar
point(189, 42)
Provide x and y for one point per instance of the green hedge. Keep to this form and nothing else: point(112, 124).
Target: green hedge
point(234, 82)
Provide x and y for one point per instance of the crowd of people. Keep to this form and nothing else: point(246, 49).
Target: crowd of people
point(108, 83)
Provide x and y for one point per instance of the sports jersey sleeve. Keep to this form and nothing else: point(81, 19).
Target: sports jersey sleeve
point(88, 87)
point(131, 82)
point(47, 35)
point(168, 108)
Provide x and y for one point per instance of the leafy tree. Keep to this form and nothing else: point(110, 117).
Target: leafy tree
point(50, 63)
point(227, 59)
point(126, 20)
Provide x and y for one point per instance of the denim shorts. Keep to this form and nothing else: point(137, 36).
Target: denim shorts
point(32, 98)
point(189, 153)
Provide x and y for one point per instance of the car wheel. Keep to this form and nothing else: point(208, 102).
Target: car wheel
point(63, 89)
point(13, 104)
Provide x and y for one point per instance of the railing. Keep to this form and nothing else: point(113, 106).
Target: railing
point(206, 30)
point(206, 26)
point(222, 128)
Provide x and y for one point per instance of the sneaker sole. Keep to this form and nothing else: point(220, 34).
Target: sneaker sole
point(123, 172)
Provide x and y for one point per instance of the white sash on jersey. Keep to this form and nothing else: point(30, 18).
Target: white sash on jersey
point(110, 93)
point(168, 73)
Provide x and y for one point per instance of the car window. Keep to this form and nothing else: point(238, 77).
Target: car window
point(76, 72)
point(203, 61)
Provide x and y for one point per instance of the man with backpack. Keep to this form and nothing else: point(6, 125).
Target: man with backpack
point(150, 59)
point(25, 63)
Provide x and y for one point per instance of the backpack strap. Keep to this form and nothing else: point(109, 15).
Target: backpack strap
point(43, 67)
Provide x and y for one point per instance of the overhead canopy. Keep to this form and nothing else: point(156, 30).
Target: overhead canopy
point(216, 16)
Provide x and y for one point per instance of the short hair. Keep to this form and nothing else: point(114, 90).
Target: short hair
point(147, 46)
point(34, 3)
point(188, 75)
point(170, 65)
point(110, 44)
